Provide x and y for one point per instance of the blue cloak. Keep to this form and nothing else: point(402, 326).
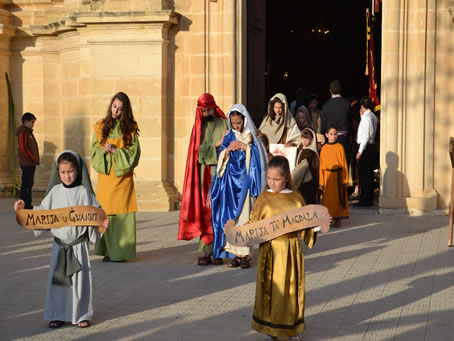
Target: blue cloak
point(230, 191)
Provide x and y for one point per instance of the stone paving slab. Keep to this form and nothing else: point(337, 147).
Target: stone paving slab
point(380, 277)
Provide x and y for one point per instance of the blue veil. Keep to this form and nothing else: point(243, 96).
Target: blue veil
point(230, 191)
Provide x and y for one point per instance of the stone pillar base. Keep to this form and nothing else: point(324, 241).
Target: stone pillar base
point(156, 196)
point(426, 201)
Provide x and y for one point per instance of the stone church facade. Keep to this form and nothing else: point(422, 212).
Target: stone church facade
point(66, 59)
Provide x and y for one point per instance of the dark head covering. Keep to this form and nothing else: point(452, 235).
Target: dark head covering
point(83, 178)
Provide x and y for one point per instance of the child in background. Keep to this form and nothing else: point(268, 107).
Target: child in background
point(333, 179)
point(279, 298)
point(28, 156)
point(69, 289)
point(308, 151)
point(266, 144)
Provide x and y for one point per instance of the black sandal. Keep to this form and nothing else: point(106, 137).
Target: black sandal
point(204, 260)
point(83, 324)
point(244, 263)
point(56, 324)
point(235, 263)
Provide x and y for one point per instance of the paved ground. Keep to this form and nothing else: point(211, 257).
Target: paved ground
point(377, 278)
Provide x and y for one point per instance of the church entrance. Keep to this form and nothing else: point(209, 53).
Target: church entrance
point(305, 45)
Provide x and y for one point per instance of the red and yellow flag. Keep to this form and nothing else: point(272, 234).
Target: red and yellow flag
point(370, 64)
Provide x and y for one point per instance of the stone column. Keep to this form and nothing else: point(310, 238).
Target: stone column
point(7, 31)
point(127, 51)
point(99, 54)
point(408, 89)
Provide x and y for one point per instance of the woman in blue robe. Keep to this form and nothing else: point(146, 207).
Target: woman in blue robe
point(240, 178)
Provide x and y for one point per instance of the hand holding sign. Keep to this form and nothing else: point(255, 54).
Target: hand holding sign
point(61, 217)
point(264, 230)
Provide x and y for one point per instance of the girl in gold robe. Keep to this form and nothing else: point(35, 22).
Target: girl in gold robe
point(279, 298)
point(115, 152)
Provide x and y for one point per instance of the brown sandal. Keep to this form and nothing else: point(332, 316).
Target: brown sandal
point(204, 260)
point(217, 261)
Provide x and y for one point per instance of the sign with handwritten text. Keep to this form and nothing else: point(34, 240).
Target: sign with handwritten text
point(62, 217)
point(264, 230)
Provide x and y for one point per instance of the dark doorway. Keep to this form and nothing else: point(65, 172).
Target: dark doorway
point(308, 43)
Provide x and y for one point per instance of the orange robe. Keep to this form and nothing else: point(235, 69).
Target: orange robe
point(333, 180)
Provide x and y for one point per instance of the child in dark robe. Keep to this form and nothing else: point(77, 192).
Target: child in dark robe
point(308, 151)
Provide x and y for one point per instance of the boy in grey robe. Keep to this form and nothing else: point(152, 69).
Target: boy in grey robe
point(69, 297)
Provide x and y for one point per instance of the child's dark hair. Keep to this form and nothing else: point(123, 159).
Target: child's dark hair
point(271, 112)
point(366, 102)
point(28, 116)
point(330, 126)
point(313, 97)
point(127, 123)
point(266, 142)
point(68, 157)
point(306, 133)
point(236, 113)
point(281, 162)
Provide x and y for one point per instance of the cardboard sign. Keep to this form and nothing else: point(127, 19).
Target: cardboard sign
point(264, 230)
point(61, 217)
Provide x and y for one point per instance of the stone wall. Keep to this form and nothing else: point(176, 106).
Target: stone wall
point(417, 113)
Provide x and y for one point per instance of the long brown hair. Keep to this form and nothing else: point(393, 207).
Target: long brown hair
point(128, 125)
point(281, 162)
point(271, 112)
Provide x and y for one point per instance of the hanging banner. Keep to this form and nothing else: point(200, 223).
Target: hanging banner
point(264, 230)
point(62, 217)
point(370, 65)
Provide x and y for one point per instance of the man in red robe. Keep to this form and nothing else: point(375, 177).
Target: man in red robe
point(195, 214)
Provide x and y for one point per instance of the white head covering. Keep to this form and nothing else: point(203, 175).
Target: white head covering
point(249, 127)
point(275, 129)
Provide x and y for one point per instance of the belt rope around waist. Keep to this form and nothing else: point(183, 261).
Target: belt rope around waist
point(67, 263)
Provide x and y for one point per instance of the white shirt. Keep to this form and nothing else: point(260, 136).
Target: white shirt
point(366, 130)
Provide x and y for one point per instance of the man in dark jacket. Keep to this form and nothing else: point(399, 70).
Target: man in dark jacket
point(28, 156)
point(337, 111)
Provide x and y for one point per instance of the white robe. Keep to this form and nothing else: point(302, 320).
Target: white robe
point(70, 303)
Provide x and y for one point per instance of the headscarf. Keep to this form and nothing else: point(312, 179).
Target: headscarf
point(307, 117)
point(83, 178)
point(274, 130)
point(194, 215)
point(313, 145)
point(249, 127)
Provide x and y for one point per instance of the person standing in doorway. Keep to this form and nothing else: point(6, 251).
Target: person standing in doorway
point(337, 111)
point(365, 155)
point(28, 157)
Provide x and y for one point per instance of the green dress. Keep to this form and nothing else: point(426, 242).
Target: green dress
point(116, 193)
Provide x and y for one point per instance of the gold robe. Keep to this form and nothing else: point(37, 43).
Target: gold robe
point(279, 298)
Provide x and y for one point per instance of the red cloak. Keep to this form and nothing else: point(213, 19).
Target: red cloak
point(195, 216)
